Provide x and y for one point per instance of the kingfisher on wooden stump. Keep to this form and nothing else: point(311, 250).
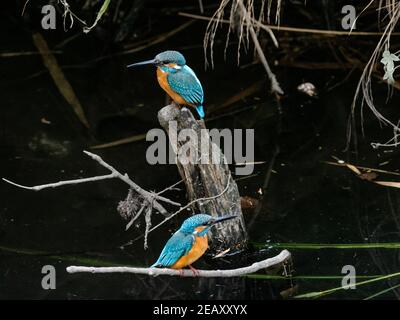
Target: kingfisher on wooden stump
point(177, 79)
point(188, 243)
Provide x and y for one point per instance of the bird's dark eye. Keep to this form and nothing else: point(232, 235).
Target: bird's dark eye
point(166, 61)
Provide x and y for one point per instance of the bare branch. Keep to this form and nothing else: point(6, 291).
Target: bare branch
point(150, 197)
point(275, 87)
point(147, 219)
point(134, 218)
point(61, 183)
point(267, 263)
point(174, 214)
point(188, 205)
point(170, 187)
point(124, 177)
point(328, 33)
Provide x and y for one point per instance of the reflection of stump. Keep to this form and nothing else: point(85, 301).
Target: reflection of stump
point(206, 180)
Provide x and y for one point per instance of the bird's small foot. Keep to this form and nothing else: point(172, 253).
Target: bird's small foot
point(195, 271)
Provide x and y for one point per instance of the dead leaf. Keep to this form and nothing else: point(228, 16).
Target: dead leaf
point(222, 253)
point(370, 176)
point(45, 121)
point(248, 202)
point(353, 168)
point(307, 88)
point(388, 183)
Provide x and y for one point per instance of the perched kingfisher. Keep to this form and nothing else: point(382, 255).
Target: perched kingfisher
point(177, 79)
point(188, 243)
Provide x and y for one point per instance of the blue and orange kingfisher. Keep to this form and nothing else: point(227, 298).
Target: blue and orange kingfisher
point(188, 243)
point(177, 79)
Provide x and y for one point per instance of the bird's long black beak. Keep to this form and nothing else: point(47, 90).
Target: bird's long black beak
point(152, 61)
point(221, 219)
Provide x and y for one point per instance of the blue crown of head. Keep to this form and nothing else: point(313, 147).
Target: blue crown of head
point(171, 57)
point(197, 220)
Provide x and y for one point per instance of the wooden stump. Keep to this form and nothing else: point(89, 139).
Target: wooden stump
point(204, 180)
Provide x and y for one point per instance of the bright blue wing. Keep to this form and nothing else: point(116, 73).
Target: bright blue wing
point(185, 83)
point(176, 247)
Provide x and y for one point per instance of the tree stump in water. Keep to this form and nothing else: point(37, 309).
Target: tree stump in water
point(205, 179)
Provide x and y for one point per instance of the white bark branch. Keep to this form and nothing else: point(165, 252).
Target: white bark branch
point(124, 177)
point(188, 205)
point(173, 215)
point(150, 197)
point(61, 183)
point(279, 259)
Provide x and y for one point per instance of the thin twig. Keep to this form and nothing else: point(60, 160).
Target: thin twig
point(62, 183)
point(137, 215)
point(275, 87)
point(27, 53)
point(292, 29)
point(124, 177)
point(134, 218)
point(172, 187)
point(362, 168)
point(267, 263)
point(264, 187)
point(160, 39)
point(201, 7)
point(175, 213)
point(23, 9)
point(157, 40)
point(188, 205)
point(138, 137)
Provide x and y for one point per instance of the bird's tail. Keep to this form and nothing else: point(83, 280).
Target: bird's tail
point(200, 111)
point(154, 265)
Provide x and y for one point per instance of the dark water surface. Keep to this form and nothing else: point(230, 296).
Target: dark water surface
point(308, 201)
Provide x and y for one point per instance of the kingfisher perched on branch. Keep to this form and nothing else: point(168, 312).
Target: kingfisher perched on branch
point(177, 79)
point(188, 243)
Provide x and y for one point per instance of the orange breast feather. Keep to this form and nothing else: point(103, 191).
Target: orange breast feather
point(200, 246)
point(162, 80)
